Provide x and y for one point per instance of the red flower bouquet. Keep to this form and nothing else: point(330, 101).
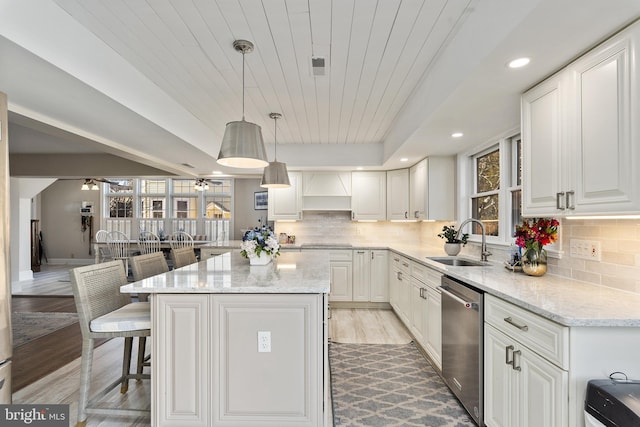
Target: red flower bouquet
point(533, 235)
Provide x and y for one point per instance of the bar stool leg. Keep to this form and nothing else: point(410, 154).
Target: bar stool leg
point(85, 381)
point(126, 364)
point(142, 344)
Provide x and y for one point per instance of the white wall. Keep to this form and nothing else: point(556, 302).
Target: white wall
point(245, 216)
point(63, 239)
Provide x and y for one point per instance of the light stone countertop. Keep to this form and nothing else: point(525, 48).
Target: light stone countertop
point(292, 272)
point(565, 301)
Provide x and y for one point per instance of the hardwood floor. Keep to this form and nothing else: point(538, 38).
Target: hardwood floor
point(367, 326)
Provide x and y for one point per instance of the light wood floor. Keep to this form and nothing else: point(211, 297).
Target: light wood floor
point(62, 386)
point(367, 326)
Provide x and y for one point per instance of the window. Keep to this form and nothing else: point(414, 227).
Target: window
point(185, 207)
point(217, 207)
point(485, 200)
point(120, 198)
point(152, 207)
point(492, 182)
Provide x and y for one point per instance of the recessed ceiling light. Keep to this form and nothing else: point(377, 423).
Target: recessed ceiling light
point(359, 168)
point(519, 62)
point(457, 135)
point(404, 159)
point(217, 173)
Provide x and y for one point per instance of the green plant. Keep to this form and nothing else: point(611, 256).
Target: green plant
point(449, 233)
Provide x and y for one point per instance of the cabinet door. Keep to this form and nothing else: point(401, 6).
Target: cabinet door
point(417, 310)
point(181, 360)
point(499, 389)
point(361, 275)
point(432, 327)
point(394, 284)
point(417, 190)
point(341, 281)
point(369, 195)
point(286, 203)
point(404, 298)
point(542, 179)
point(398, 194)
point(379, 291)
point(542, 400)
point(605, 161)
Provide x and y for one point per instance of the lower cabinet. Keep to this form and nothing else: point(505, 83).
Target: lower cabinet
point(521, 388)
point(210, 370)
point(341, 265)
point(361, 278)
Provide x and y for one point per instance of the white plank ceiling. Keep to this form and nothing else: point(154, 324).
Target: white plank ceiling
point(156, 81)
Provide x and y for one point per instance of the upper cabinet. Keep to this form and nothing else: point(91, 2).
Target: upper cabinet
point(369, 196)
point(398, 194)
point(577, 133)
point(432, 189)
point(286, 203)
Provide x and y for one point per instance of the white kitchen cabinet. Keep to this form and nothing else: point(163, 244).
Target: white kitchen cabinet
point(526, 368)
point(369, 196)
point(426, 309)
point(181, 322)
point(528, 392)
point(286, 203)
point(370, 272)
point(432, 189)
point(579, 156)
point(400, 287)
point(208, 371)
point(341, 266)
point(379, 291)
point(398, 194)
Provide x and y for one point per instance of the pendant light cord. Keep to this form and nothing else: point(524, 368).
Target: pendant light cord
point(275, 139)
point(243, 85)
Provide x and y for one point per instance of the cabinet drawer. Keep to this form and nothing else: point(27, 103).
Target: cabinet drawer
point(541, 335)
point(346, 255)
point(400, 263)
point(426, 275)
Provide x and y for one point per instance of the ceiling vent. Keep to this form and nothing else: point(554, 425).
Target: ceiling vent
point(317, 66)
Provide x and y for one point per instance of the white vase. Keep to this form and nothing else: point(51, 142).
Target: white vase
point(452, 249)
point(263, 259)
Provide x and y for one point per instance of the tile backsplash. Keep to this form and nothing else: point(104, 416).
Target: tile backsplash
point(619, 239)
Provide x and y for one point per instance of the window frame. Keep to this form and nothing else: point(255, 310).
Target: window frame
point(467, 185)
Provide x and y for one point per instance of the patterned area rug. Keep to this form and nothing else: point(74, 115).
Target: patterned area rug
point(377, 385)
point(28, 326)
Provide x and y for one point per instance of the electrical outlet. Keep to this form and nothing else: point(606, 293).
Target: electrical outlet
point(264, 341)
point(585, 249)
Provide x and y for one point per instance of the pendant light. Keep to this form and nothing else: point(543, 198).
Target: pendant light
point(242, 145)
point(275, 175)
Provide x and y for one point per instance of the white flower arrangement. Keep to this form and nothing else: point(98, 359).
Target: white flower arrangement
point(258, 241)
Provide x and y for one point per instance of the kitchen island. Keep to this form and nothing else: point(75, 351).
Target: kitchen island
point(240, 345)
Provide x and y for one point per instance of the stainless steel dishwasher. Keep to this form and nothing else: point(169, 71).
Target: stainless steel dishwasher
point(462, 344)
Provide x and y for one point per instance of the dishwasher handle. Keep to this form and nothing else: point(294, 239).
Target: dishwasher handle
point(467, 304)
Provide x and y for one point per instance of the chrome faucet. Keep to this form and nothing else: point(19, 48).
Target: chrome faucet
point(484, 253)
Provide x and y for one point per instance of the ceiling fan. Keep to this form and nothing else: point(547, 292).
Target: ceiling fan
point(90, 184)
point(202, 184)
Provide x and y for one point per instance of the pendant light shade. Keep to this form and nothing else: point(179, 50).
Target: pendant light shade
point(275, 175)
point(242, 145)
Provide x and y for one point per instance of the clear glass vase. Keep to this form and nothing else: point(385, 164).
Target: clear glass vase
point(534, 262)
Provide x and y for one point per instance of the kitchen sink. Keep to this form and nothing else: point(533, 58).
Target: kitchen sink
point(457, 262)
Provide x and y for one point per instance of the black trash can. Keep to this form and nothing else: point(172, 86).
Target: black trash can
point(613, 403)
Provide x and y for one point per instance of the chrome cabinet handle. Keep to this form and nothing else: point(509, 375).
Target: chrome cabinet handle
point(399, 275)
point(353, 215)
point(406, 214)
point(415, 214)
point(513, 365)
point(570, 200)
point(360, 252)
point(508, 349)
point(421, 289)
point(405, 264)
point(510, 321)
point(396, 259)
point(559, 197)
point(372, 254)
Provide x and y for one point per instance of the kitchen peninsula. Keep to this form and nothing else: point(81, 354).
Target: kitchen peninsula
point(240, 345)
